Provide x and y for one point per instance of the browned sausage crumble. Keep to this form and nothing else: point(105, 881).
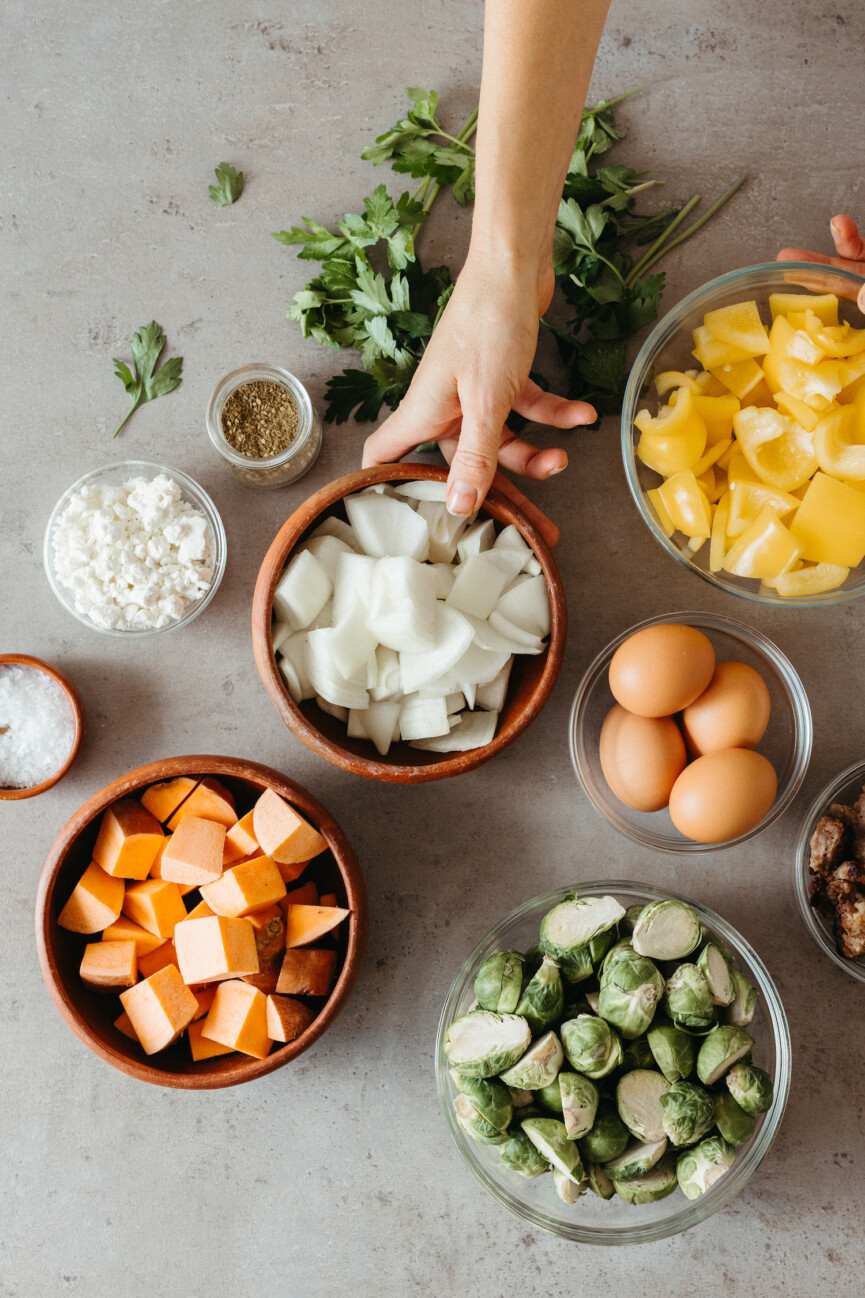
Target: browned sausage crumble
point(838, 873)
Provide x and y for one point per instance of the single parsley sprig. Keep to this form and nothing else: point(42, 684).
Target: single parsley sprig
point(419, 146)
point(228, 187)
point(145, 382)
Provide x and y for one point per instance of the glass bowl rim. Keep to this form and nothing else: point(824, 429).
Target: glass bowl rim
point(759, 643)
point(190, 489)
point(236, 379)
point(640, 368)
point(856, 771)
point(730, 1185)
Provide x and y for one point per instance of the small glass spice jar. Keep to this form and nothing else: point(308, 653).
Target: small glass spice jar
point(288, 464)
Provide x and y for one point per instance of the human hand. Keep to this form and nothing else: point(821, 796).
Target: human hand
point(474, 371)
point(849, 245)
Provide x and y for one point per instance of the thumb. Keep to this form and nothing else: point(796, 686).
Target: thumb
point(475, 459)
point(847, 239)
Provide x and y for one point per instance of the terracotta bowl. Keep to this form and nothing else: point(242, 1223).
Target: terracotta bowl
point(25, 660)
point(532, 678)
point(91, 1015)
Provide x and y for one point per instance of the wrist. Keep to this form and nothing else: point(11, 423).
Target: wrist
point(518, 266)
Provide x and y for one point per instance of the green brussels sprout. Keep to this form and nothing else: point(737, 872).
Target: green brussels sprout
point(579, 1103)
point(687, 999)
point(591, 1045)
point(667, 930)
point(520, 1155)
point(548, 1135)
point(620, 950)
point(499, 981)
point(720, 1051)
point(542, 998)
point(740, 1011)
point(656, 1184)
point(699, 1168)
point(482, 1044)
point(734, 1124)
point(638, 1098)
point(630, 991)
point(628, 921)
point(636, 1160)
point(714, 964)
point(751, 1087)
point(674, 1051)
point(599, 1183)
point(551, 1096)
point(489, 1096)
point(593, 1000)
point(636, 1054)
point(575, 921)
point(577, 966)
point(600, 945)
point(688, 1113)
point(474, 1125)
point(520, 1097)
point(608, 1137)
point(566, 1188)
point(538, 1066)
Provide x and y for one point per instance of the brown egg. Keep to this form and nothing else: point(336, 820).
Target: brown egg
point(641, 757)
point(732, 713)
point(661, 669)
point(723, 795)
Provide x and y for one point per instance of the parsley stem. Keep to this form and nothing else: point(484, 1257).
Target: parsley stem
point(647, 258)
point(609, 103)
point(707, 216)
point(130, 411)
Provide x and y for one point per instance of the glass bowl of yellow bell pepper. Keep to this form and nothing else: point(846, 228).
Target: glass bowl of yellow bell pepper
point(743, 433)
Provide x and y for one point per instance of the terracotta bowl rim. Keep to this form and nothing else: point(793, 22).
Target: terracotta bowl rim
point(246, 1068)
point(502, 509)
point(78, 713)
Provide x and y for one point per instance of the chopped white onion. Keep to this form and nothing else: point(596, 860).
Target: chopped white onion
point(385, 526)
point(302, 591)
point(527, 606)
point(423, 718)
point(478, 583)
point(452, 636)
point(476, 539)
point(476, 729)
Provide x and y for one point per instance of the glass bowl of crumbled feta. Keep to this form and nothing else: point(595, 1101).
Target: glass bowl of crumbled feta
point(135, 547)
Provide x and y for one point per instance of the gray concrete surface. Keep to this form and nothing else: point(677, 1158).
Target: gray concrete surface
point(337, 1175)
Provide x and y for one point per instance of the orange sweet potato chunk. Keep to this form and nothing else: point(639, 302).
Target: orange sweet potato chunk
point(240, 840)
point(108, 966)
point(209, 800)
point(159, 1008)
point(238, 1019)
point(305, 895)
point(305, 924)
point(96, 901)
point(153, 961)
point(124, 929)
point(245, 888)
point(129, 838)
point(156, 867)
point(287, 1018)
point(310, 971)
point(194, 855)
point(155, 904)
point(163, 799)
point(328, 899)
point(209, 950)
point(123, 1023)
point(201, 1047)
point(282, 833)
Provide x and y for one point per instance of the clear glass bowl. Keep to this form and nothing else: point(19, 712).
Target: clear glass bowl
point(275, 470)
point(592, 1220)
point(668, 347)
point(118, 472)
point(786, 743)
point(845, 788)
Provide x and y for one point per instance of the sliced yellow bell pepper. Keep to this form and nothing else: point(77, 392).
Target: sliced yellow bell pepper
point(661, 511)
point(711, 352)
point(711, 457)
point(797, 410)
point(837, 341)
point(778, 449)
point(811, 580)
point(816, 385)
point(709, 385)
point(830, 522)
point(670, 379)
point(687, 504)
point(675, 439)
point(849, 373)
point(765, 549)
point(837, 446)
point(825, 305)
point(740, 378)
point(781, 336)
point(749, 499)
point(738, 325)
point(761, 395)
point(718, 543)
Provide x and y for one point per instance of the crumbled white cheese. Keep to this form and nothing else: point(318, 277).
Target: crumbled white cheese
point(134, 556)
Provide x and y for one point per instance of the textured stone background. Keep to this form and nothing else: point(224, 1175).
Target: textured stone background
point(337, 1173)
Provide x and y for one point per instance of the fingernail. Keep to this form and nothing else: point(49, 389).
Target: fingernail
point(462, 499)
point(552, 472)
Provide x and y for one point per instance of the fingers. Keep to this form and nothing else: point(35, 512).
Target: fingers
point(848, 242)
point(547, 408)
point(521, 457)
point(475, 458)
point(802, 254)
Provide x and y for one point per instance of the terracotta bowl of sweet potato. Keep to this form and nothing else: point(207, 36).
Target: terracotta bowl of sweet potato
point(531, 680)
point(91, 1014)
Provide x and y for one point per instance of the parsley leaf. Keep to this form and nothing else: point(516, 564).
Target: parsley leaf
point(145, 382)
point(229, 185)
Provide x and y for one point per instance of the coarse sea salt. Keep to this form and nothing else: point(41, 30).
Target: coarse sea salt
point(37, 727)
point(134, 556)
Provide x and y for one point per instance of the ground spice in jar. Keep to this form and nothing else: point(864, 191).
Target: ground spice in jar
point(260, 419)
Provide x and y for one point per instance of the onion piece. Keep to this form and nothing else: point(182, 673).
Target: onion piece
point(402, 605)
point(293, 652)
point(444, 578)
point(423, 718)
point(423, 489)
point(333, 526)
point(476, 729)
point(302, 591)
point(387, 527)
point(352, 643)
point(491, 697)
point(327, 550)
point(476, 539)
point(527, 606)
point(354, 574)
point(387, 674)
point(478, 584)
point(452, 636)
point(445, 530)
point(511, 538)
point(469, 690)
point(332, 709)
point(382, 724)
point(279, 633)
point(325, 678)
point(503, 637)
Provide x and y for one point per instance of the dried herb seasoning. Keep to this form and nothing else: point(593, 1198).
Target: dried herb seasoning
point(260, 419)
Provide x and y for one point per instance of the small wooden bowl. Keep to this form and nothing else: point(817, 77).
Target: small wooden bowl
point(25, 660)
point(91, 1015)
point(532, 678)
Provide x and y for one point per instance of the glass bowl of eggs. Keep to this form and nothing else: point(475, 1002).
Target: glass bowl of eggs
point(691, 732)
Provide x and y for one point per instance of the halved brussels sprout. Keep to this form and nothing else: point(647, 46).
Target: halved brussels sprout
point(638, 1098)
point(628, 921)
point(688, 1113)
point(699, 1168)
point(538, 1066)
point(734, 1124)
point(714, 964)
point(630, 991)
point(542, 998)
point(577, 966)
point(667, 930)
point(654, 1185)
point(567, 1189)
point(482, 1044)
point(636, 1160)
point(600, 945)
point(636, 1054)
point(474, 1125)
point(740, 1011)
point(520, 1155)
point(599, 1183)
point(751, 1087)
point(499, 981)
point(674, 1051)
point(591, 1045)
point(520, 1097)
point(489, 1096)
point(608, 1137)
point(574, 922)
point(687, 999)
point(551, 1096)
point(720, 1051)
point(548, 1135)
point(579, 1098)
point(593, 1000)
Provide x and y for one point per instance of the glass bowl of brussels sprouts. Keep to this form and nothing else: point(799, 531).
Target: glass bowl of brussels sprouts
point(613, 1063)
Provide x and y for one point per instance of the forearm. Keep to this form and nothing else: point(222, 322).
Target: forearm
point(538, 59)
